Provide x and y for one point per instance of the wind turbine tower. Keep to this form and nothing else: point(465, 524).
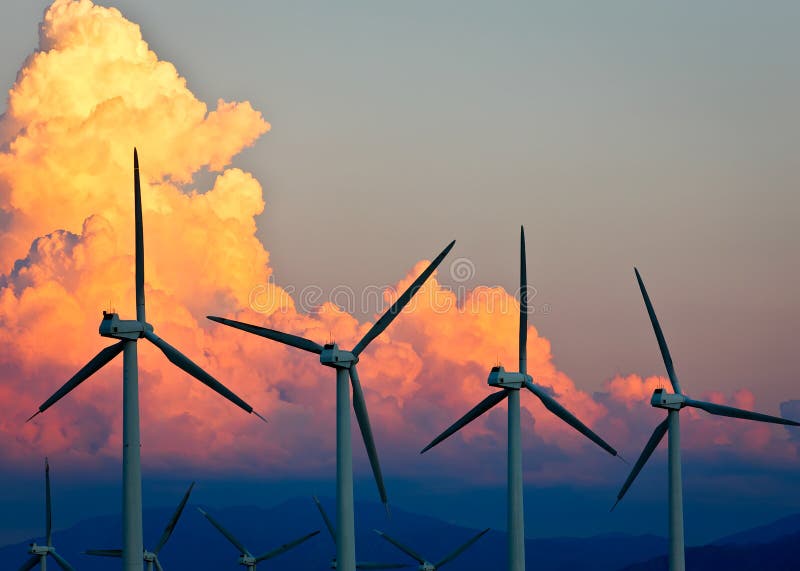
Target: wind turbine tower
point(673, 403)
point(344, 363)
point(128, 333)
point(510, 384)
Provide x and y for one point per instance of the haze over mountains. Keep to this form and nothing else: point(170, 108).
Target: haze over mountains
point(197, 546)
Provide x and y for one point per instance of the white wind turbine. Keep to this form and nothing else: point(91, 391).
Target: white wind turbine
point(39, 553)
point(246, 558)
point(673, 403)
point(510, 384)
point(151, 557)
point(359, 564)
point(129, 332)
point(424, 563)
point(345, 364)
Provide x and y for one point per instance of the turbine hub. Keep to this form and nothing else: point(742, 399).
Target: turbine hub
point(116, 328)
point(669, 401)
point(427, 567)
point(332, 356)
point(149, 556)
point(247, 560)
point(499, 377)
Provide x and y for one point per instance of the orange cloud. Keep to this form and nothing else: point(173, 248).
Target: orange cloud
point(90, 93)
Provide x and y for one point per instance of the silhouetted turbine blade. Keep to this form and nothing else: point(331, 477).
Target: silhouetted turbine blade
point(662, 343)
point(104, 552)
point(360, 408)
point(286, 547)
point(523, 304)
point(30, 563)
point(61, 561)
point(158, 565)
point(401, 302)
point(651, 445)
point(326, 519)
point(458, 551)
point(173, 521)
point(404, 548)
point(553, 406)
point(89, 369)
point(722, 410)
point(183, 362)
point(137, 214)
point(228, 535)
point(474, 413)
point(279, 336)
point(48, 505)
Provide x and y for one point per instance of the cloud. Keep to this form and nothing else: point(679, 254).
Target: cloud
point(90, 93)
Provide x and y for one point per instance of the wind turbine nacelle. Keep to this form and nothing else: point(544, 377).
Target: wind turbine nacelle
point(332, 356)
point(36, 549)
point(669, 401)
point(247, 560)
point(113, 326)
point(499, 377)
point(427, 567)
point(149, 556)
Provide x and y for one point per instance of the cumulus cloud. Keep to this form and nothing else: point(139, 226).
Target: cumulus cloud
point(81, 102)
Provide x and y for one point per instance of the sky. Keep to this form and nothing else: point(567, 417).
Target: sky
point(317, 152)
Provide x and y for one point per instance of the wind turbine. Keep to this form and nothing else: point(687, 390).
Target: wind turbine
point(245, 557)
point(424, 563)
point(673, 403)
point(510, 384)
point(129, 332)
point(39, 553)
point(151, 557)
point(345, 364)
point(359, 565)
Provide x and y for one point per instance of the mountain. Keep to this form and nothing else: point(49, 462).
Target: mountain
point(197, 546)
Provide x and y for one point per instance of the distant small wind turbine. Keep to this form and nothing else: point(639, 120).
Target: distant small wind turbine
point(673, 403)
point(151, 557)
point(345, 364)
point(359, 565)
point(510, 385)
point(246, 558)
point(129, 332)
point(39, 553)
point(424, 563)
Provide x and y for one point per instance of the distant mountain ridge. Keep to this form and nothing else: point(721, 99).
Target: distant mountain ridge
point(197, 546)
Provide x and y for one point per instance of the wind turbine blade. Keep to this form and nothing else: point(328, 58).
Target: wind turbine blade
point(404, 548)
point(401, 302)
point(462, 549)
point(89, 369)
point(173, 521)
point(553, 406)
point(474, 413)
point(662, 343)
point(523, 304)
point(158, 565)
point(30, 563)
point(286, 547)
point(48, 505)
point(279, 336)
point(360, 407)
point(228, 535)
point(137, 214)
point(722, 410)
point(326, 519)
point(376, 565)
point(651, 445)
point(61, 561)
point(104, 552)
point(183, 362)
